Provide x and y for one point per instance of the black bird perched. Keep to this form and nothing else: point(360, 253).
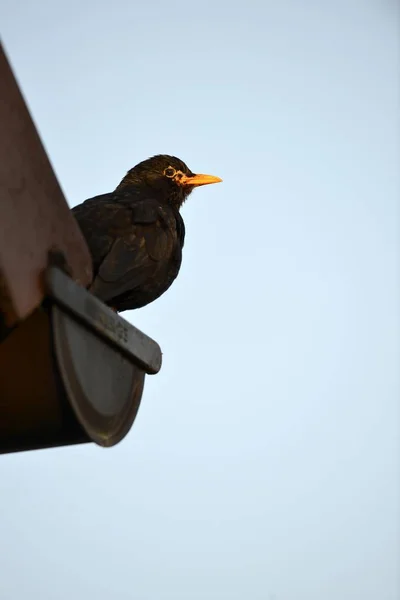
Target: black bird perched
point(136, 233)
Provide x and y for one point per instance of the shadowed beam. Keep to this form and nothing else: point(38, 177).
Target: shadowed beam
point(34, 216)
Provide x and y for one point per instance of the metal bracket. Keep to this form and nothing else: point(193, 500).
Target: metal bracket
point(99, 318)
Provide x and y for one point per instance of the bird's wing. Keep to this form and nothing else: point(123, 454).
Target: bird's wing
point(135, 254)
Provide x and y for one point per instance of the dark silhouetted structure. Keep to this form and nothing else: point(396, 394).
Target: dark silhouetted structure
point(71, 370)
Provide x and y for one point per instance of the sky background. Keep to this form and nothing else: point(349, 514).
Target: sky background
point(264, 462)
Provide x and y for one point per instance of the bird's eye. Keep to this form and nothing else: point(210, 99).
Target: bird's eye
point(169, 172)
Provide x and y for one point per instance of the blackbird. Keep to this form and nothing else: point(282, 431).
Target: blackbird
point(136, 233)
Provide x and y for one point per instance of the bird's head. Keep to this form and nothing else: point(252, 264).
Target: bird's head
point(167, 176)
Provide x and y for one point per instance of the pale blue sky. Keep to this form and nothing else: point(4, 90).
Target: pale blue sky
point(264, 463)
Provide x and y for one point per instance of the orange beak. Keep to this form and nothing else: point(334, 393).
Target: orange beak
point(197, 180)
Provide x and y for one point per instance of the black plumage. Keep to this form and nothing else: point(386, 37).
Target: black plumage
point(136, 233)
